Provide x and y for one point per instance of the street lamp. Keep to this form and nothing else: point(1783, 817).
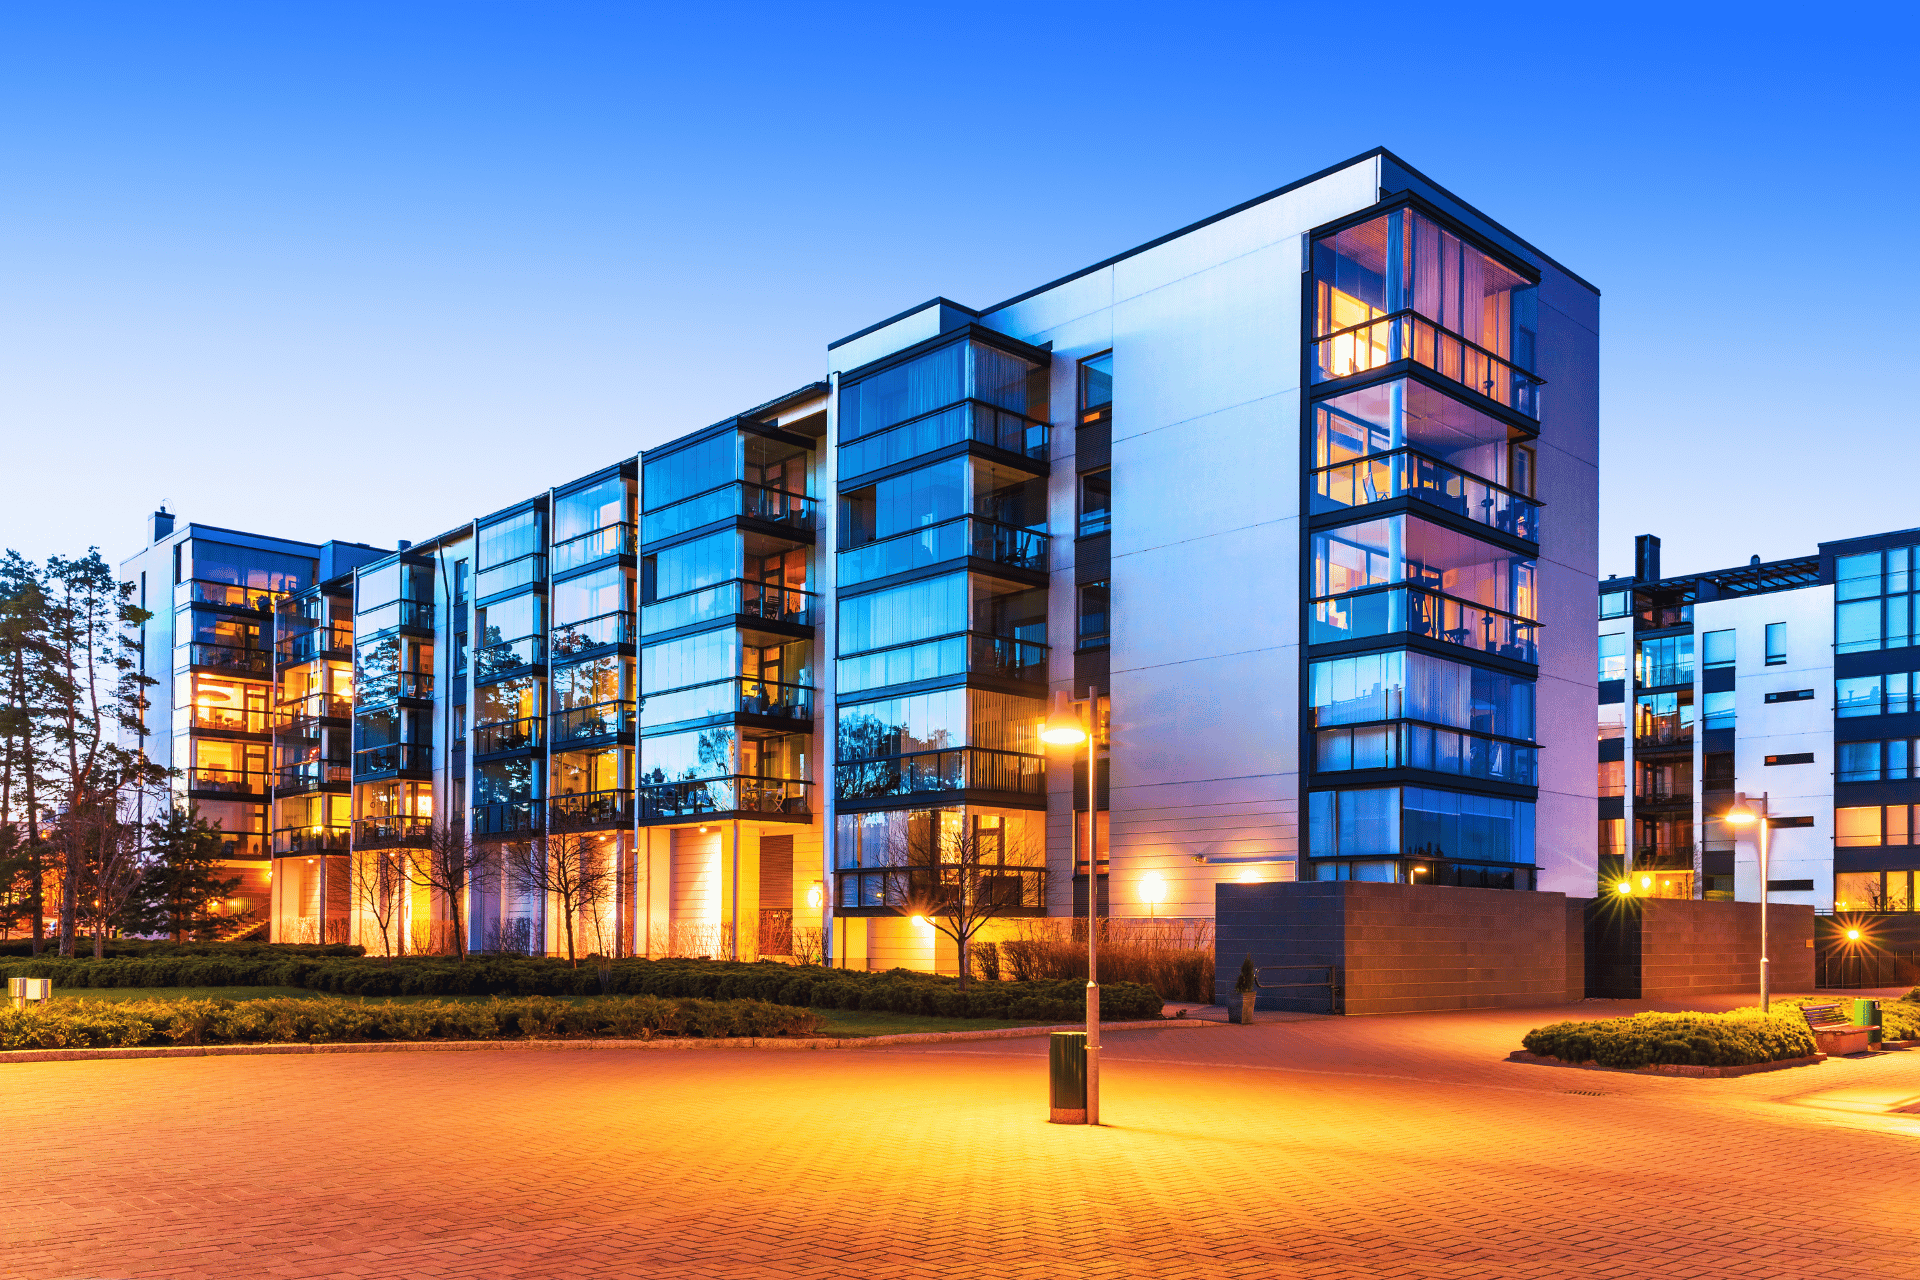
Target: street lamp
point(1063, 730)
point(1747, 812)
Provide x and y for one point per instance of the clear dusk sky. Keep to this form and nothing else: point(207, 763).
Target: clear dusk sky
point(367, 270)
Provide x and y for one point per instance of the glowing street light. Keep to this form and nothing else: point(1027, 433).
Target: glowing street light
point(1753, 813)
point(1153, 891)
point(1063, 729)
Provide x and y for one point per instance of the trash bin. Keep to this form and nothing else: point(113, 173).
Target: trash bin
point(1067, 1077)
point(1866, 1013)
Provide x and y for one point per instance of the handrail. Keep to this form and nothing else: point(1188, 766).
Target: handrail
point(228, 781)
point(949, 769)
point(574, 810)
point(314, 773)
point(392, 757)
point(727, 793)
point(391, 831)
point(303, 646)
point(507, 817)
point(1398, 607)
point(596, 720)
point(1498, 507)
point(1443, 351)
point(201, 591)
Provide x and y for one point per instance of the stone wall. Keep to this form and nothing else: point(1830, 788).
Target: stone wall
point(1674, 949)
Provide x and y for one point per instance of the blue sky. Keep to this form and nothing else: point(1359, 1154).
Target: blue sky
point(364, 271)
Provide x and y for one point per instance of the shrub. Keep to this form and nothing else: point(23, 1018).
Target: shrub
point(1735, 1039)
point(1899, 1019)
point(120, 947)
point(1174, 957)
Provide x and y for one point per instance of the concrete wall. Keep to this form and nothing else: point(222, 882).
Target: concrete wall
point(1673, 949)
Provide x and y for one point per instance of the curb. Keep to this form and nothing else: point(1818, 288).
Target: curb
point(1667, 1068)
point(497, 1046)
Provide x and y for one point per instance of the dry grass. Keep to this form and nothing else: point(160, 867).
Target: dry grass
point(1174, 957)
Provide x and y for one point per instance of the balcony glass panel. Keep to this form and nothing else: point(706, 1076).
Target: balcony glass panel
point(972, 653)
point(397, 613)
point(737, 598)
point(728, 697)
point(1408, 337)
point(312, 839)
point(247, 662)
point(221, 593)
point(1420, 746)
point(1663, 719)
point(228, 781)
point(756, 502)
point(732, 794)
point(305, 645)
point(1667, 660)
point(393, 757)
point(596, 508)
point(966, 536)
point(1423, 613)
point(1408, 684)
point(600, 720)
point(671, 477)
point(1408, 474)
point(309, 774)
point(590, 810)
point(614, 540)
point(315, 706)
point(391, 831)
point(510, 539)
point(956, 769)
point(1406, 413)
point(512, 735)
point(592, 633)
point(1407, 549)
point(970, 421)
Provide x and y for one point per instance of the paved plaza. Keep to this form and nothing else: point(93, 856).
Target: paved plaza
point(1391, 1146)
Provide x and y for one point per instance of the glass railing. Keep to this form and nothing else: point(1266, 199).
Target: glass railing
point(1665, 735)
point(305, 645)
point(508, 817)
point(312, 839)
point(950, 540)
point(1001, 886)
point(391, 832)
point(1407, 335)
point(1663, 792)
point(414, 614)
point(600, 720)
point(1653, 675)
point(666, 801)
point(614, 540)
point(509, 576)
point(1659, 619)
point(592, 633)
point(243, 844)
point(230, 782)
point(508, 735)
point(1404, 473)
point(956, 769)
point(409, 756)
point(582, 811)
point(311, 774)
point(738, 498)
point(969, 653)
point(509, 655)
point(970, 420)
point(223, 657)
point(725, 698)
point(1423, 613)
point(380, 687)
point(196, 592)
point(738, 598)
point(1420, 746)
point(229, 719)
point(316, 706)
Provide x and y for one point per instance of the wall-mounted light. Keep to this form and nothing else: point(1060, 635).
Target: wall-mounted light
point(816, 897)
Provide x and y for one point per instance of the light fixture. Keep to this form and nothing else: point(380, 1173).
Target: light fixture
point(1625, 886)
point(1646, 882)
point(923, 922)
point(1153, 889)
point(1063, 725)
point(815, 896)
point(1853, 935)
point(1741, 814)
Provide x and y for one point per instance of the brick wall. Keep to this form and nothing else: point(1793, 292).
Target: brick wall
point(1671, 949)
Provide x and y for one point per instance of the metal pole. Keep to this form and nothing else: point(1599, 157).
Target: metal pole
point(1093, 912)
point(1766, 821)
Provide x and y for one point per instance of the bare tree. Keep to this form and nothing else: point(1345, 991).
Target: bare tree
point(379, 880)
point(115, 865)
point(572, 870)
point(963, 877)
point(451, 865)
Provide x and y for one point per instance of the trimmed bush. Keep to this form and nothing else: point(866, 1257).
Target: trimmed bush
point(1899, 1019)
point(86, 1024)
point(121, 947)
point(1736, 1039)
point(895, 991)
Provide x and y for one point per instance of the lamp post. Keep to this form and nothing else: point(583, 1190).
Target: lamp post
point(1063, 730)
point(1754, 812)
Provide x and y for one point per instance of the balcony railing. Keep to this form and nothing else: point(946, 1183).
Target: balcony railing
point(600, 720)
point(613, 540)
point(592, 633)
point(698, 797)
point(1663, 735)
point(1407, 335)
point(1423, 613)
point(506, 735)
point(971, 420)
point(738, 498)
point(1665, 857)
point(956, 769)
point(224, 657)
point(396, 757)
point(380, 687)
point(392, 832)
point(1651, 619)
point(950, 540)
point(316, 706)
point(740, 597)
point(302, 646)
point(498, 659)
point(414, 615)
point(970, 653)
point(510, 576)
point(229, 719)
point(311, 775)
point(1404, 473)
point(1654, 675)
point(1420, 746)
point(1006, 887)
point(1663, 793)
point(228, 782)
point(313, 840)
point(197, 592)
point(590, 810)
point(737, 696)
point(508, 817)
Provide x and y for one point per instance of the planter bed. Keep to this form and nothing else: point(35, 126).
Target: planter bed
point(1668, 1068)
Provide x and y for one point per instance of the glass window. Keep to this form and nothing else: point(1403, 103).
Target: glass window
point(1451, 824)
point(1354, 823)
point(1717, 710)
point(1095, 603)
point(1858, 891)
point(1406, 413)
point(1668, 660)
point(692, 565)
point(938, 721)
point(685, 472)
point(1408, 549)
point(248, 567)
point(1613, 657)
point(1859, 761)
point(965, 370)
point(506, 700)
point(1857, 696)
point(1096, 501)
point(1401, 684)
point(1856, 577)
point(595, 507)
point(901, 615)
point(586, 684)
point(1663, 719)
point(608, 590)
point(1613, 720)
point(1776, 643)
point(1719, 648)
point(1856, 826)
point(690, 660)
point(1613, 777)
point(510, 619)
point(1096, 388)
point(1616, 604)
point(679, 757)
point(510, 539)
point(1856, 628)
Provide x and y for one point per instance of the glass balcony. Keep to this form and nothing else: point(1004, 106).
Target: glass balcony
point(1430, 747)
point(613, 540)
point(726, 698)
point(413, 615)
point(313, 839)
point(508, 817)
point(394, 758)
point(392, 832)
point(600, 720)
point(970, 653)
point(509, 576)
point(705, 797)
point(378, 688)
point(756, 502)
point(1423, 613)
point(956, 769)
point(228, 719)
point(738, 598)
point(950, 540)
point(223, 657)
point(508, 735)
point(228, 782)
point(590, 810)
point(311, 775)
point(592, 633)
point(316, 706)
point(1008, 887)
point(509, 655)
point(970, 420)
point(1406, 335)
point(1404, 473)
point(302, 646)
point(197, 592)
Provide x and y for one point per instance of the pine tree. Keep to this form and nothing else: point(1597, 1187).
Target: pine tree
point(31, 685)
point(181, 882)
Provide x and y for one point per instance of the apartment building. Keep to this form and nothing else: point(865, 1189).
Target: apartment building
point(1296, 503)
point(1791, 679)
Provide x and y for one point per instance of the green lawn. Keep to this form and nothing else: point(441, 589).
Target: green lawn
point(838, 1022)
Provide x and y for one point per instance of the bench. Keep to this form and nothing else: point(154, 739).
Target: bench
point(1833, 1031)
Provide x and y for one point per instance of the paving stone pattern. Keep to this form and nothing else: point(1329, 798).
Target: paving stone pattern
point(1397, 1146)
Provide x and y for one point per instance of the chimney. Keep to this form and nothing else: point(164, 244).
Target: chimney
point(159, 525)
point(1646, 558)
point(404, 545)
point(1754, 563)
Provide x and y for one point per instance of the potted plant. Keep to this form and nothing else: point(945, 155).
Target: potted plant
point(1245, 986)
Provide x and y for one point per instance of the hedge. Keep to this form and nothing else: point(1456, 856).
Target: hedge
point(116, 948)
point(87, 1024)
point(895, 991)
point(1899, 1019)
point(1734, 1039)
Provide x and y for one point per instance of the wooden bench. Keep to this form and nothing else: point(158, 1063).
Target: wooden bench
point(1833, 1031)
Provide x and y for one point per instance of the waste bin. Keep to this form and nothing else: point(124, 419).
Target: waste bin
point(1067, 1077)
point(1866, 1013)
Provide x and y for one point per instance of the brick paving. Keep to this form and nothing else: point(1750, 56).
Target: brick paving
point(1381, 1147)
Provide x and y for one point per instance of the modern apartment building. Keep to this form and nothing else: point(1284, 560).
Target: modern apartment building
point(1298, 501)
point(1792, 679)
